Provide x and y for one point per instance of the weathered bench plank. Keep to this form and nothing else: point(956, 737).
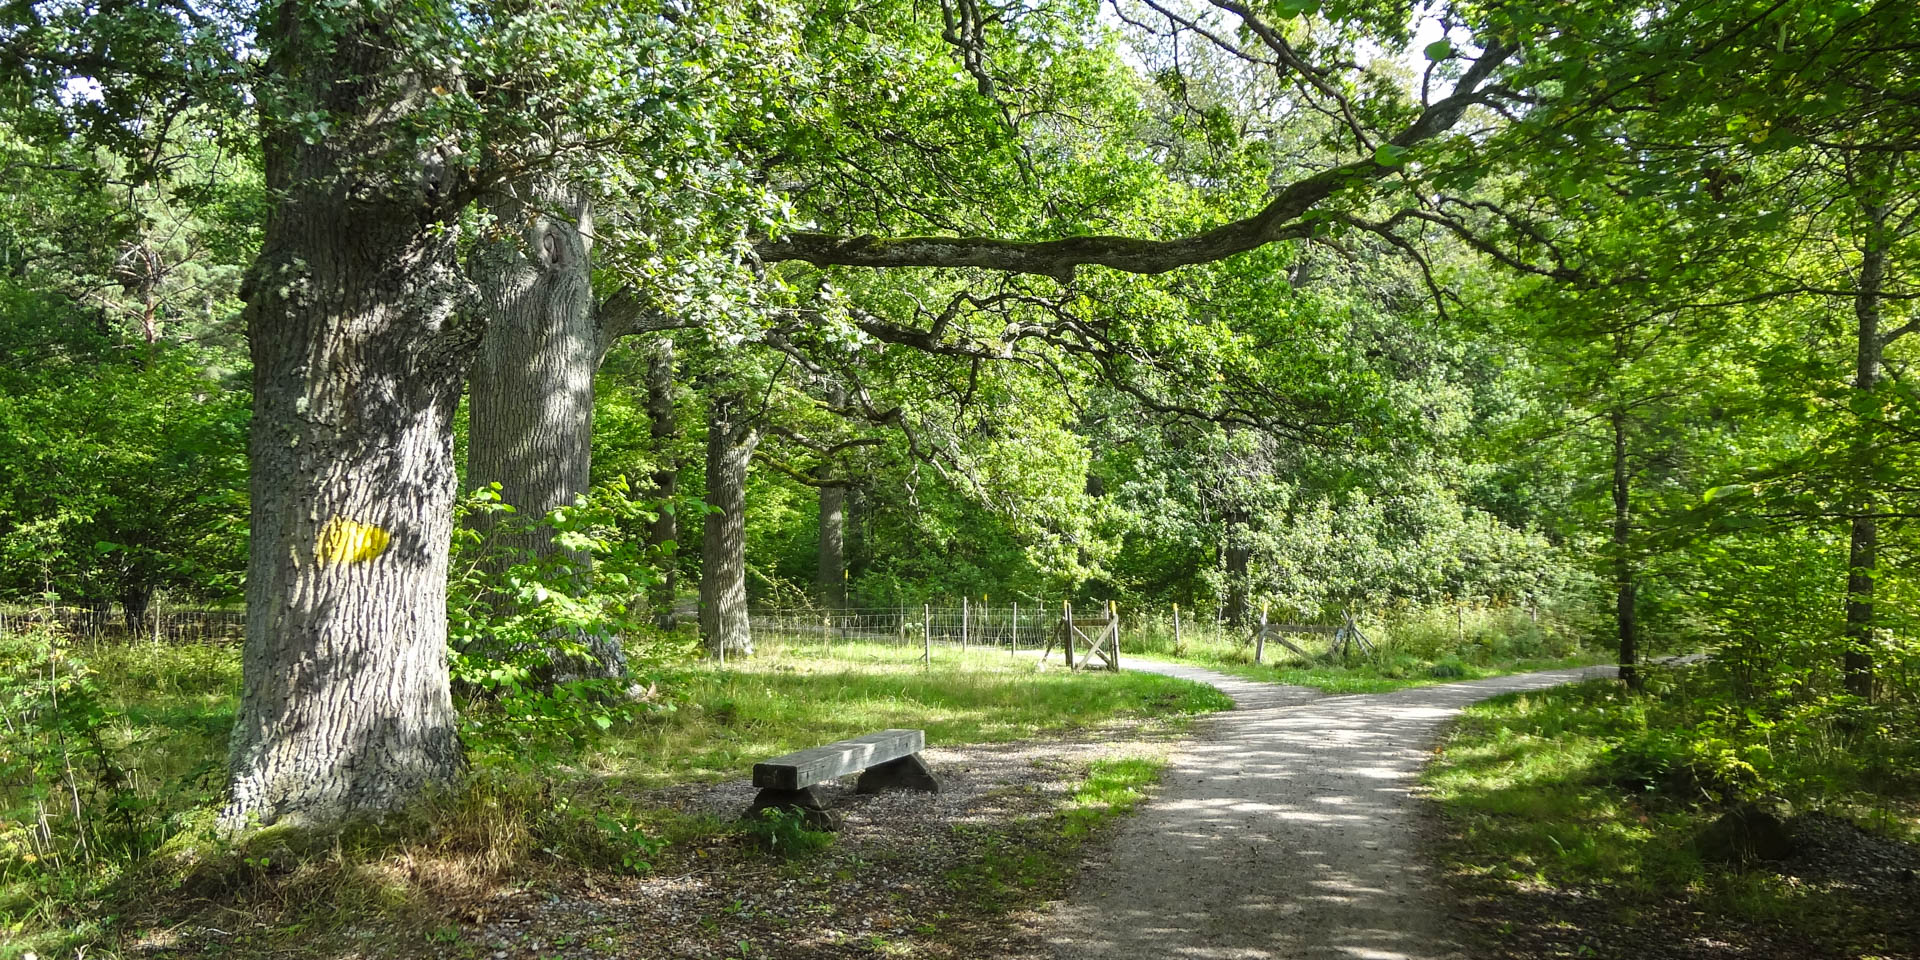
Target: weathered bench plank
point(804, 768)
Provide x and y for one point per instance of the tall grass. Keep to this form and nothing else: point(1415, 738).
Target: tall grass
point(161, 716)
point(1590, 787)
point(1412, 647)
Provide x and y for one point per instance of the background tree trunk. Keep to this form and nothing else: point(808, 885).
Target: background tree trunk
point(358, 362)
point(830, 572)
point(1237, 552)
point(666, 480)
point(530, 412)
point(723, 569)
point(1624, 583)
point(1863, 541)
point(530, 399)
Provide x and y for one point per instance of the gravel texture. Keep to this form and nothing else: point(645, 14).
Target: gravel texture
point(881, 890)
point(1287, 828)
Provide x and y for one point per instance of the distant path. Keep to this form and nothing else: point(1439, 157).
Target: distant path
point(1284, 830)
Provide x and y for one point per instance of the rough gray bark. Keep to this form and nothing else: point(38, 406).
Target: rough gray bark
point(666, 480)
point(530, 399)
point(530, 407)
point(1625, 585)
point(1279, 220)
point(1237, 553)
point(731, 438)
point(830, 567)
point(358, 360)
point(830, 573)
point(1863, 541)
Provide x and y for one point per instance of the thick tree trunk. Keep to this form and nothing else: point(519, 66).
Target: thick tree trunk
point(1863, 539)
point(135, 601)
point(1238, 552)
point(666, 481)
point(358, 362)
point(723, 570)
point(530, 408)
point(530, 400)
point(859, 518)
point(830, 571)
point(1625, 586)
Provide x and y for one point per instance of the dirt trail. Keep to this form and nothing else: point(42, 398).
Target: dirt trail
point(1286, 829)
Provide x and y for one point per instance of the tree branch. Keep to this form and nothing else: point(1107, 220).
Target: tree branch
point(1279, 220)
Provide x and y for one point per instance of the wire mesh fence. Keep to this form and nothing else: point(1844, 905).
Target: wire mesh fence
point(1010, 626)
point(912, 628)
point(114, 622)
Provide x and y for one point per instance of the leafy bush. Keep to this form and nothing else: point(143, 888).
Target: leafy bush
point(548, 649)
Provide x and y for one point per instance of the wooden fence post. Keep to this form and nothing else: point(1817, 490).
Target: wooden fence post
point(1260, 638)
point(963, 624)
point(1066, 629)
point(1113, 614)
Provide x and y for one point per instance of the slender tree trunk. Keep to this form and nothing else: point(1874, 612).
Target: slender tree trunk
point(358, 361)
point(1864, 535)
point(723, 571)
point(1625, 586)
point(530, 399)
point(666, 481)
point(830, 574)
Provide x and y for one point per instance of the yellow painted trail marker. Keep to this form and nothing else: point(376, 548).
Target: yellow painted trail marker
point(349, 541)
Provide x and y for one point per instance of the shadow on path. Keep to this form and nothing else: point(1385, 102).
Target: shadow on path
point(1285, 830)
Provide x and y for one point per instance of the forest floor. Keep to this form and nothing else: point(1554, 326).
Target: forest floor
point(632, 845)
point(1567, 830)
point(954, 875)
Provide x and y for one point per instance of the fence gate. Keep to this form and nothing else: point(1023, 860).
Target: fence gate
point(1100, 634)
point(1346, 637)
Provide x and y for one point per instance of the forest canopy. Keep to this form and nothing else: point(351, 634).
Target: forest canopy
point(1598, 312)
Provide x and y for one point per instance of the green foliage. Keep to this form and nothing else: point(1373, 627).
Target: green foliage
point(786, 833)
point(1593, 788)
point(108, 755)
point(548, 645)
point(122, 428)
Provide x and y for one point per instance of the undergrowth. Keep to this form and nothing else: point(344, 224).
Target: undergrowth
point(1594, 790)
point(139, 736)
point(1410, 648)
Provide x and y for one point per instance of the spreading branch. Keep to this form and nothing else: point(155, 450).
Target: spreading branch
point(1279, 220)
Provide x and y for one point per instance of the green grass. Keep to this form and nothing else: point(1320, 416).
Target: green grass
point(797, 695)
point(1413, 649)
point(169, 710)
point(1590, 789)
point(1036, 860)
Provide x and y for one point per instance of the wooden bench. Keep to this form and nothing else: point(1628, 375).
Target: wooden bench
point(887, 760)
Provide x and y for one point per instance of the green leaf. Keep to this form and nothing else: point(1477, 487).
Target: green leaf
point(1388, 155)
point(1288, 9)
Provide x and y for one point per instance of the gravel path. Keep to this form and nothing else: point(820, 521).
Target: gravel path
point(1285, 830)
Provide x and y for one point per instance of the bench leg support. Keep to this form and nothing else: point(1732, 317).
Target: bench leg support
point(907, 773)
point(805, 801)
